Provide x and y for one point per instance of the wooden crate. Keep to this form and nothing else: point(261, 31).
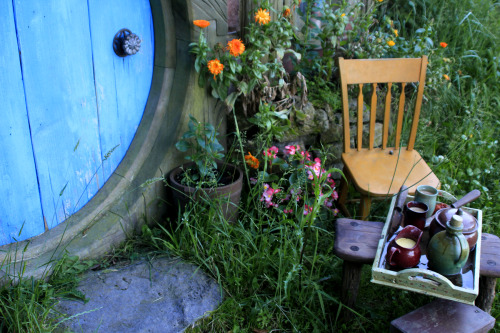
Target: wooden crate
point(423, 280)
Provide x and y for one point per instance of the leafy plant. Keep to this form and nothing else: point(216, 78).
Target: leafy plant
point(200, 140)
point(249, 66)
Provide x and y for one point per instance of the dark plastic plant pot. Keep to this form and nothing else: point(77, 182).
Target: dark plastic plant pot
point(229, 195)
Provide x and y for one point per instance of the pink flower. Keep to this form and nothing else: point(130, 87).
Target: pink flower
point(316, 168)
point(271, 152)
point(335, 195)
point(268, 194)
point(306, 155)
point(288, 211)
point(253, 180)
point(290, 150)
point(307, 209)
point(330, 181)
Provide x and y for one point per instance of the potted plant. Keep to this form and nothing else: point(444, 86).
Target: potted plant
point(206, 176)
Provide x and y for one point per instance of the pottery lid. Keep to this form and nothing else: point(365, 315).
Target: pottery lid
point(469, 222)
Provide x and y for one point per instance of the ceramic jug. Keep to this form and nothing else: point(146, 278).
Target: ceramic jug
point(448, 250)
point(404, 250)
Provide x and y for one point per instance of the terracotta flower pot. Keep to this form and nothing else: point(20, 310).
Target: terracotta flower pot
point(229, 194)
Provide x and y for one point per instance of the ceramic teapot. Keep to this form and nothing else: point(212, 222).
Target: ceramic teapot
point(448, 250)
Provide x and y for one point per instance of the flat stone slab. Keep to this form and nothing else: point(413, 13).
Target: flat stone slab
point(164, 295)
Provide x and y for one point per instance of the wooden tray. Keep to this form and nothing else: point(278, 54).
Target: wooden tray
point(461, 288)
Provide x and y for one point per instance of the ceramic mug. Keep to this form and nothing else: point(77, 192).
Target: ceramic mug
point(428, 195)
point(415, 213)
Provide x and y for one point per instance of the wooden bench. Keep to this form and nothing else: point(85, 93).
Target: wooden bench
point(356, 243)
point(444, 316)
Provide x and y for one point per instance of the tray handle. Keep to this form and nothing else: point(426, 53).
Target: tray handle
point(432, 279)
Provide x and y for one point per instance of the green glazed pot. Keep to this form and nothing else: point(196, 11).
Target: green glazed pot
point(448, 250)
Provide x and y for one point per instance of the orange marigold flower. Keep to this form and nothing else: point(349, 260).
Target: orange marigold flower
point(443, 44)
point(201, 23)
point(262, 16)
point(343, 14)
point(287, 12)
point(215, 67)
point(252, 161)
point(446, 77)
point(235, 47)
point(391, 43)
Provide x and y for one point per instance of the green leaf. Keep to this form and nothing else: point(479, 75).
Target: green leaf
point(201, 142)
point(300, 115)
point(280, 53)
point(267, 178)
point(183, 145)
point(231, 99)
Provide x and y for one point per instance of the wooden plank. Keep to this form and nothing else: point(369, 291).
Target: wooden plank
point(122, 84)
point(418, 103)
point(20, 202)
point(444, 316)
point(381, 70)
point(360, 117)
point(357, 240)
point(373, 115)
point(54, 39)
point(399, 125)
point(345, 107)
point(387, 115)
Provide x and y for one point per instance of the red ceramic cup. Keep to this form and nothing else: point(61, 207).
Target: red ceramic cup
point(415, 213)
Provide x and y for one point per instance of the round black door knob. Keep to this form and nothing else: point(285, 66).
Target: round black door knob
point(126, 43)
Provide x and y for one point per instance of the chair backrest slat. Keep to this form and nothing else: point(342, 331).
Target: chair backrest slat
point(401, 111)
point(418, 104)
point(373, 115)
point(345, 108)
point(373, 71)
point(360, 117)
point(387, 115)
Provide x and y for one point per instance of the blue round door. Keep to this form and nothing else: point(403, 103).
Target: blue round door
point(70, 105)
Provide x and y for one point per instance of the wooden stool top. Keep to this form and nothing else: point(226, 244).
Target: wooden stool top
point(490, 256)
point(444, 316)
point(357, 240)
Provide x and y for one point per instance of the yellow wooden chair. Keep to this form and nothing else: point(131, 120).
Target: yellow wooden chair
point(380, 172)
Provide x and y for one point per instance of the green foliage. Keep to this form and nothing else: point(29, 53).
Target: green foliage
point(28, 305)
point(204, 150)
point(275, 271)
point(260, 63)
point(321, 93)
point(271, 123)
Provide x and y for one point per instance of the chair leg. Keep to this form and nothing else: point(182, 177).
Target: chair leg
point(351, 277)
point(344, 192)
point(487, 293)
point(364, 207)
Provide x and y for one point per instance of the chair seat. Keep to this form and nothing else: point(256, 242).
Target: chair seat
point(444, 316)
point(357, 240)
point(378, 172)
point(490, 255)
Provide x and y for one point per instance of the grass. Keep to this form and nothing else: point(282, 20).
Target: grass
point(279, 274)
point(28, 305)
